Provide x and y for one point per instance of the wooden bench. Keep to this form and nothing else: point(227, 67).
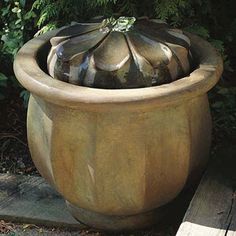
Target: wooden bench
point(212, 211)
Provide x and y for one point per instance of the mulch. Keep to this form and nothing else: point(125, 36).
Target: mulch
point(10, 229)
point(14, 152)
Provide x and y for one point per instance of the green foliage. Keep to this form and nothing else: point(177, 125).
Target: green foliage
point(22, 19)
point(171, 10)
point(62, 12)
point(25, 96)
point(15, 28)
point(199, 30)
point(223, 106)
point(16, 25)
point(3, 85)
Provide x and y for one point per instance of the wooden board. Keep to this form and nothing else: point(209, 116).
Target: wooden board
point(29, 199)
point(212, 210)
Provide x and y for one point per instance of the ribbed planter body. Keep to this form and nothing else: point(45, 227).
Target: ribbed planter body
point(116, 155)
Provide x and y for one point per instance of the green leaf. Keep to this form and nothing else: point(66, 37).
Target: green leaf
point(18, 21)
point(25, 95)
point(223, 91)
point(199, 30)
point(29, 15)
point(3, 77)
point(3, 80)
point(22, 3)
point(218, 104)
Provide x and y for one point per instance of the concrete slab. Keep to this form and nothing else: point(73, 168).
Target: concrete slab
point(29, 199)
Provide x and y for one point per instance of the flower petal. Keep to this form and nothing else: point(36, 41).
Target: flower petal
point(160, 32)
point(112, 53)
point(79, 44)
point(74, 30)
point(182, 55)
point(153, 51)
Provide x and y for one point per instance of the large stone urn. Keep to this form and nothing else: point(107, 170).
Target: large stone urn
point(117, 155)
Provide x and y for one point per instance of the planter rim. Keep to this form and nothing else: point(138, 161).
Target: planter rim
point(39, 83)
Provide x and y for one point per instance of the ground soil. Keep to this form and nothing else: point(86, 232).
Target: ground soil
point(33, 230)
point(14, 152)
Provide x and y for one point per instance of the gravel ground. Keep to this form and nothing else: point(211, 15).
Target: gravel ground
point(14, 152)
point(11, 229)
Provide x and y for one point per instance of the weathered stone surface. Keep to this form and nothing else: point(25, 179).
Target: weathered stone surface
point(29, 199)
point(119, 152)
point(119, 162)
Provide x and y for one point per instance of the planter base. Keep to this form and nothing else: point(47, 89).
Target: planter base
point(109, 222)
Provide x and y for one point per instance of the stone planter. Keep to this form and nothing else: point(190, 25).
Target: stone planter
point(117, 156)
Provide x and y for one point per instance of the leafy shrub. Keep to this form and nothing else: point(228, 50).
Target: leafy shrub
point(223, 106)
point(16, 28)
point(3, 85)
point(22, 19)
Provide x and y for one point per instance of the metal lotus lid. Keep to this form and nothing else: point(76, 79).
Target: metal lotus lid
point(122, 53)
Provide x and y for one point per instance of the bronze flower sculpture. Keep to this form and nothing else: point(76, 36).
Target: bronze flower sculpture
point(122, 53)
